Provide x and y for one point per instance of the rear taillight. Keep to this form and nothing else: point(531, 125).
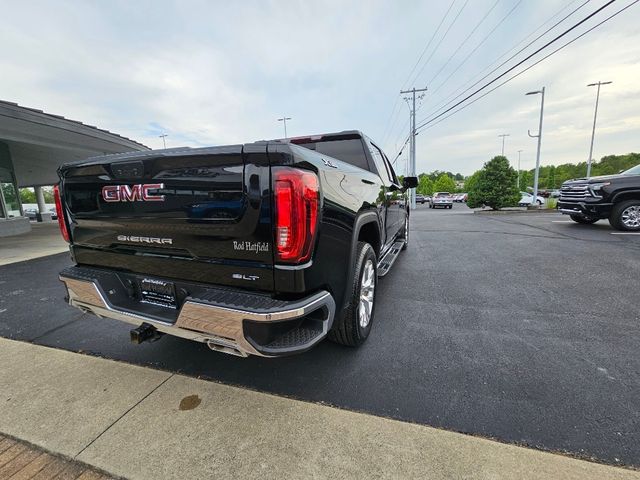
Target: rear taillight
point(296, 195)
point(60, 212)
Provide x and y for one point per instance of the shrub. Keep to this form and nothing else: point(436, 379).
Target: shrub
point(494, 185)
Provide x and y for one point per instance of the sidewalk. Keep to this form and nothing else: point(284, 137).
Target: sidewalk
point(43, 239)
point(19, 461)
point(141, 423)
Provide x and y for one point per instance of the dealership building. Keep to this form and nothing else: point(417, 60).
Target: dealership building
point(33, 144)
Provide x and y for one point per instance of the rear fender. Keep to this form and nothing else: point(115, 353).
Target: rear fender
point(365, 218)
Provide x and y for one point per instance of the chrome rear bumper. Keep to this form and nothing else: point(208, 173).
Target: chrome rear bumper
point(225, 327)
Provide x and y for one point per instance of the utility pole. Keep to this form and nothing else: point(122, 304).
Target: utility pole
point(519, 152)
point(539, 136)
point(284, 119)
point(593, 132)
point(163, 136)
point(503, 135)
point(412, 138)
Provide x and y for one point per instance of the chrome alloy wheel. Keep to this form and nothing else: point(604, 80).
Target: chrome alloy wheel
point(631, 217)
point(367, 289)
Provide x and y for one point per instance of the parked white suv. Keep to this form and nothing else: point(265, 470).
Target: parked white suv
point(526, 199)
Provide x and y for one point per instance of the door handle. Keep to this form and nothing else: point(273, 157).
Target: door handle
point(368, 182)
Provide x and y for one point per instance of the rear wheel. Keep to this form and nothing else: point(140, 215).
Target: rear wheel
point(353, 326)
point(626, 215)
point(583, 220)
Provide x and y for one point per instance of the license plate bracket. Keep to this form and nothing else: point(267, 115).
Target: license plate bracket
point(158, 292)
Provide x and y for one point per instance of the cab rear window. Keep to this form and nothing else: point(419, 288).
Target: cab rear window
point(348, 150)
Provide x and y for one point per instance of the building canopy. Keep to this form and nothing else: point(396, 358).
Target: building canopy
point(33, 144)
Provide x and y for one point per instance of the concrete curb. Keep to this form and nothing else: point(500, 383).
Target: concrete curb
point(508, 212)
point(140, 423)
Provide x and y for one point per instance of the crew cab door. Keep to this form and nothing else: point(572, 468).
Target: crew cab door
point(399, 206)
point(393, 195)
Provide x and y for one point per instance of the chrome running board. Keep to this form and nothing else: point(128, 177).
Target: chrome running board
point(385, 264)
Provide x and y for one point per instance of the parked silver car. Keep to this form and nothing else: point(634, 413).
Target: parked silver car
point(441, 199)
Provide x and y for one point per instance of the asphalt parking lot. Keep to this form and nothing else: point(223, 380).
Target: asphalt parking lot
point(520, 327)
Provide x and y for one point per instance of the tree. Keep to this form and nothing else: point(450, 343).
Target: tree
point(444, 183)
point(471, 182)
point(526, 180)
point(47, 192)
point(27, 195)
point(425, 185)
point(553, 176)
point(495, 185)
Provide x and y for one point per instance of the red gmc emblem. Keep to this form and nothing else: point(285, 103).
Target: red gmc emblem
point(132, 193)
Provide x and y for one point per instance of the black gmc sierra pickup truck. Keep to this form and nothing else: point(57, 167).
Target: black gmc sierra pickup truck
point(256, 249)
point(616, 197)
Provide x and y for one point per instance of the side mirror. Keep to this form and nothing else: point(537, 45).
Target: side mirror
point(409, 182)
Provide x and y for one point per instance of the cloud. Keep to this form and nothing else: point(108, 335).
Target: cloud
point(214, 73)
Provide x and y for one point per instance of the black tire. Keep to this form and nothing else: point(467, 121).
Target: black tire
point(616, 218)
point(583, 220)
point(346, 329)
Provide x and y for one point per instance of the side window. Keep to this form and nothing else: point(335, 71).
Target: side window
point(393, 173)
point(378, 158)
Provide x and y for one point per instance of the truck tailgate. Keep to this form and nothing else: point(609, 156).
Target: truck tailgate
point(199, 215)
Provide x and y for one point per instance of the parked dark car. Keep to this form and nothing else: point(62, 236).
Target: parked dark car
point(261, 249)
point(615, 197)
point(31, 213)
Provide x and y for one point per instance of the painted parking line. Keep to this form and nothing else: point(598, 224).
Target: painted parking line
point(625, 233)
point(562, 221)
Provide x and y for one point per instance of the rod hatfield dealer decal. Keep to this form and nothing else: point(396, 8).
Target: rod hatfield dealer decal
point(247, 246)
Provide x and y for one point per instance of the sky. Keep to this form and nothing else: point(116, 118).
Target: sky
point(215, 73)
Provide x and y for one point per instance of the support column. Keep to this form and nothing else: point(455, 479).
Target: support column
point(43, 214)
point(42, 207)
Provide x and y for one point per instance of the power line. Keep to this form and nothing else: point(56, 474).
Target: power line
point(401, 149)
point(441, 40)
point(517, 64)
point(443, 105)
point(428, 44)
point(538, 28)
point(464, 41)
point(436, 89)
point(428, 125)
point(435, 49)
point(395, 104)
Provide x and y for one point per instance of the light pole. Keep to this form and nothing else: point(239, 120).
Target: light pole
point(284, 119)
point(163, 136)
point(539, 136)
point(503, 135)
point(593, 132)
point(519, 152)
